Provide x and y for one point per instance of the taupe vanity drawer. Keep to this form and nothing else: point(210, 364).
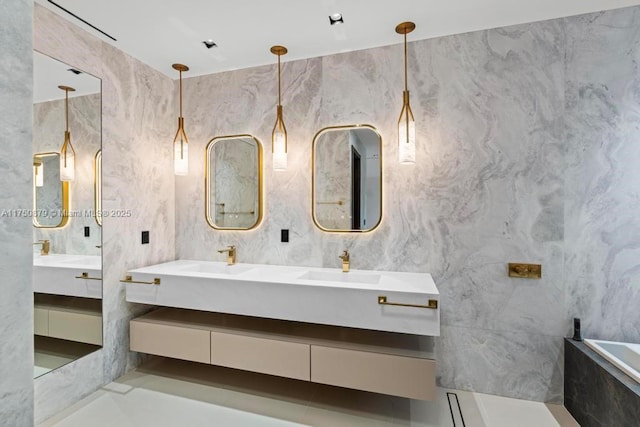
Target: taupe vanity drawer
point(267, 356)
point(40, 321)
point(185, 343)
point(397, 375)
point(76, 326)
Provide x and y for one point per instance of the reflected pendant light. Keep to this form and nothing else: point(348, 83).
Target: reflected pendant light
point(279, 134)
point(38, 173)
point(406, 122)
point(67, 153)
point(180, 142)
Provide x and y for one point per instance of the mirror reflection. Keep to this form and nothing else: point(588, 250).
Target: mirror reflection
point(347, 178)
point(50, 194)
point(233, 184)
point(97, 187)
point(67, 261)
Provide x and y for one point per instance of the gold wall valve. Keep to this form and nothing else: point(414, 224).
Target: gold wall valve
point(525, 271)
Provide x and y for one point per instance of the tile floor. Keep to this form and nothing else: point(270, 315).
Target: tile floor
point(52, 353)
point(172, 393)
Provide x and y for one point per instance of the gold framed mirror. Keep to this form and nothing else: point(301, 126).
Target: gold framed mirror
point(97, 187)
point(346, 184)
point(233, 182)
point(50, 195)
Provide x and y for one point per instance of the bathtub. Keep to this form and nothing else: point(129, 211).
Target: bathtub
point(624, 356)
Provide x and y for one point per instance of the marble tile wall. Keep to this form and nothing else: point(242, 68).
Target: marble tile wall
point(138, 116)
point(489, 185)
point(48, 129)
point(16, 300)
point(602, 234)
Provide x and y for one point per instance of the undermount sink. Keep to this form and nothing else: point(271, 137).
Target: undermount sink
point(339, 276)
point(68, 261)
point(215, 268)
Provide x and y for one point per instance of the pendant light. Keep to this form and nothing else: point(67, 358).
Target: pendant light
point(279, 134)
point(38, 172)
point(406, 122)
point(180, 142)
point(67, 153)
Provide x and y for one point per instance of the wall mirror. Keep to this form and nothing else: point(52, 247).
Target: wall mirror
point(347, 178)
point(233, 182)
point(67, 259)
point(50, 194)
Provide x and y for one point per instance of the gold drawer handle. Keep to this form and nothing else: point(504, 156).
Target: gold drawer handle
point(85, 275)
point(129, 279)
point(432, 304)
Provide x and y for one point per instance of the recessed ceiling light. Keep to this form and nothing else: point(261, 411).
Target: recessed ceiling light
point(209, 44)
point(74, 71)
point(336, 18)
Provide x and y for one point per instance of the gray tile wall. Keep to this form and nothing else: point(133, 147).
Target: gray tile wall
point(16, 164)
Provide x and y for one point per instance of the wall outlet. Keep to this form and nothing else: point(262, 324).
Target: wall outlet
point(145, 237)
point(87, 231)
point(284, 236)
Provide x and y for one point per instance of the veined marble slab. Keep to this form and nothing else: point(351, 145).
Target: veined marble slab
point(57, 274)
point(315, 295)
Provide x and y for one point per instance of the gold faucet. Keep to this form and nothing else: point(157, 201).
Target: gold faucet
point(231, 254)
point(46, 245)
point(345, 261)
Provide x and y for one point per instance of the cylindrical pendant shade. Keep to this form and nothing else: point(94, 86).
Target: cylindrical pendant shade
point(67, 166)
point(67, 159)
point(38, 170)
point(279, 151)
point(279, 142)
point(180, 158)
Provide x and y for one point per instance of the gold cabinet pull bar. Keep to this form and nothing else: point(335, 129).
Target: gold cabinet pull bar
point(432, 304)
point(129, 279)
point(85, 275)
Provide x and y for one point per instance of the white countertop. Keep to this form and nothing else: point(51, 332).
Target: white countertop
point(304, 294)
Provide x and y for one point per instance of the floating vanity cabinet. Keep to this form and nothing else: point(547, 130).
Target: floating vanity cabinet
point(261, 353)
point(179, 334)
point(382, 362)
point(394, 374)
point(41, 321)
point(77, 320)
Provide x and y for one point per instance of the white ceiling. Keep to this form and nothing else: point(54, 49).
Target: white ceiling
point(48, 74)
point(162, 32)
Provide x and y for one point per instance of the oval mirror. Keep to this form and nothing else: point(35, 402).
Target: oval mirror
point(50, 195)
point(347, 178)
point(233, 182)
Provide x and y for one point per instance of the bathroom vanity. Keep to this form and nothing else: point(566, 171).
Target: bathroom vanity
point(68, 297)
point(365, 330)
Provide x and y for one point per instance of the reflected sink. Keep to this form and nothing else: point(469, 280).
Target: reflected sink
point(215, 268)
point(339, 276)
point(94, 261)
point(68, 261)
